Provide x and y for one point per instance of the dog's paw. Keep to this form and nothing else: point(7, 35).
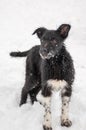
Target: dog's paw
point(46, 127)
point(66, 122)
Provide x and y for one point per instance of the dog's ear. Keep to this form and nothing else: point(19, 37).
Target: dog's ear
point(39, 31)
point(63, 30)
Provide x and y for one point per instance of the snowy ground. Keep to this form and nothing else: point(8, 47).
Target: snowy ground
point(18, 19)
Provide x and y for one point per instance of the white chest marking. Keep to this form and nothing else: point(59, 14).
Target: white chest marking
point(57, 84)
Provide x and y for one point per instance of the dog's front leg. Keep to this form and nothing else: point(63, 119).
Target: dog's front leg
point(66, 94)
point(44, 97)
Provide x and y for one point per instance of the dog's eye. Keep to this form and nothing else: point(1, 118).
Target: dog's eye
point(53, 40)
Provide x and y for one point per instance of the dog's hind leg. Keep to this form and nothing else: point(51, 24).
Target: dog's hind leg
point(34, 92)
point(31, 87)
point(24, 95)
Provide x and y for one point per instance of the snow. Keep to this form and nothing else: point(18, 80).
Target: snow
point(18, 20)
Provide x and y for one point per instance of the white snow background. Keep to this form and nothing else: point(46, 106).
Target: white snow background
point(18, 20)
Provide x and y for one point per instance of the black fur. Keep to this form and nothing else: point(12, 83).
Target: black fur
point(50, 60)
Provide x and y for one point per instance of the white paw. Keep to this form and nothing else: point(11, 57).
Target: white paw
point(47, 125)
point(66, 122)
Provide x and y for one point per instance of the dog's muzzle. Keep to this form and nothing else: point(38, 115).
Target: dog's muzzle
point(48, 56)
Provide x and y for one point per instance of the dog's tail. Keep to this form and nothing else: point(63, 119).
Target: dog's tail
point(19, 54)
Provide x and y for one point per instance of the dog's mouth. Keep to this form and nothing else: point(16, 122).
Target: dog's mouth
point(48, 56)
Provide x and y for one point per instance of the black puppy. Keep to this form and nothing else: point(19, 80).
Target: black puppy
point(49, 67)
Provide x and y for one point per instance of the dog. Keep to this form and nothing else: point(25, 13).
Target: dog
point(49, 67)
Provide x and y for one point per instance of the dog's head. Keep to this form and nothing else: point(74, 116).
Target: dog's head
point(51, 40)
